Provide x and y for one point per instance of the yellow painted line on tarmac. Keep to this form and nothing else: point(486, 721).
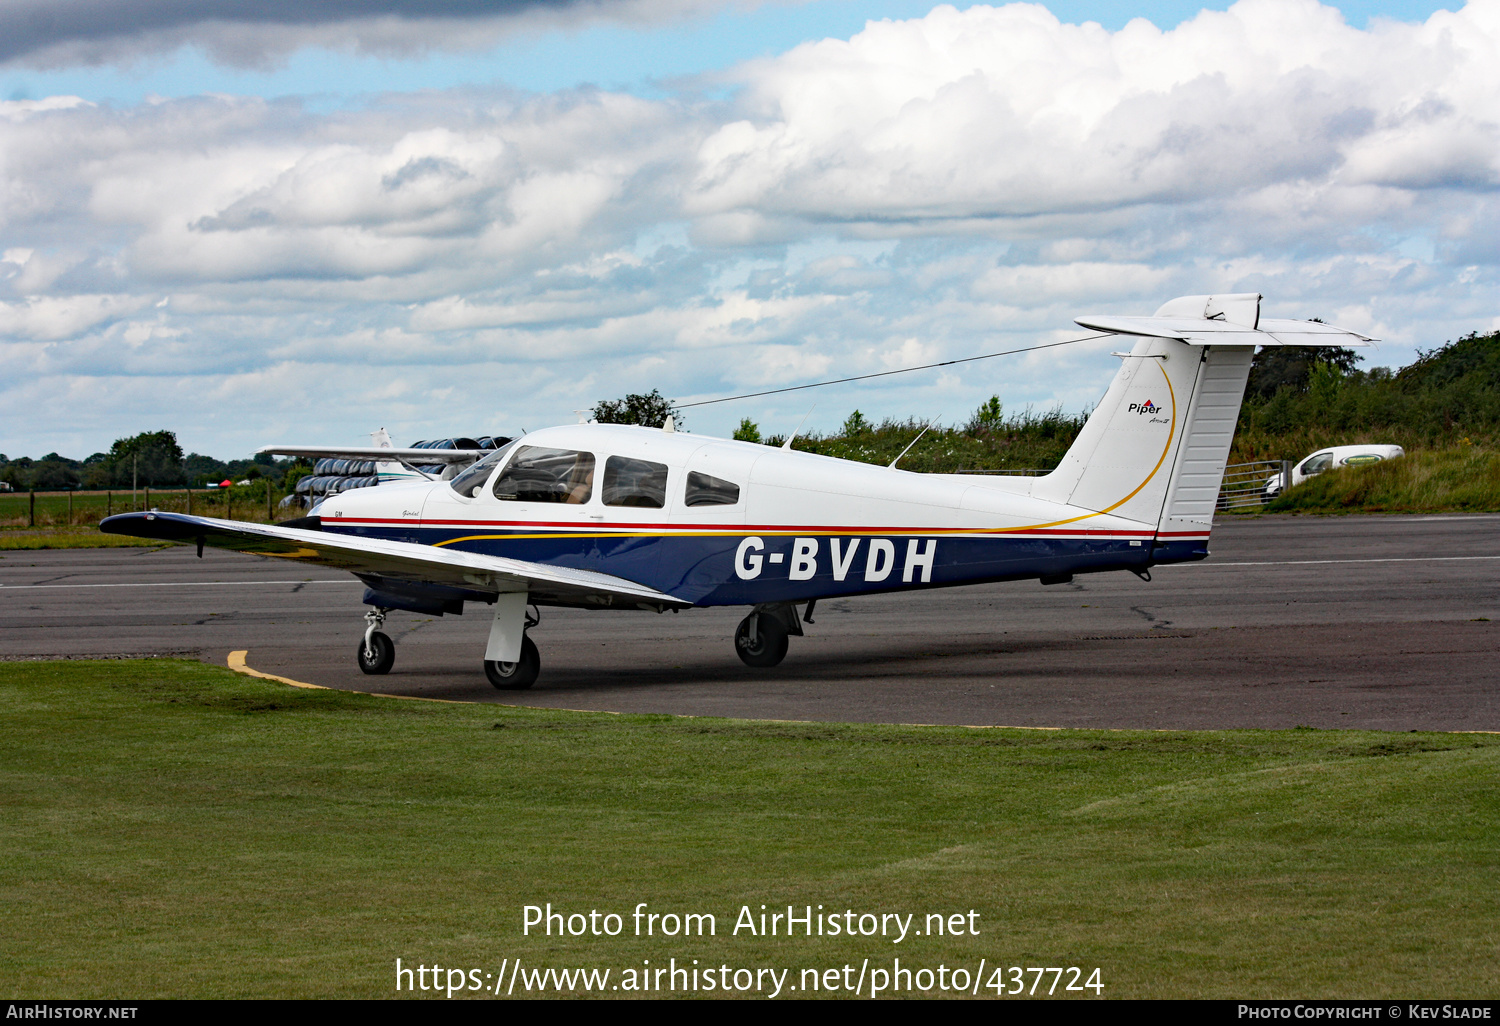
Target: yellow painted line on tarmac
point(237, 664)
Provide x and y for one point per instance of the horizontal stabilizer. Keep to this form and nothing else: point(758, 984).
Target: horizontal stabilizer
point(1224, 320)
point(394, 560)
point(370, 452)
point(1204, 332)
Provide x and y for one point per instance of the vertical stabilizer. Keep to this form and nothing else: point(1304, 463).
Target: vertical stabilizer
point(389, 470)
point(1123, 459)
point(1155, 448)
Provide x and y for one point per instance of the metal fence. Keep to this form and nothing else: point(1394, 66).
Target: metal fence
point(1246, 484)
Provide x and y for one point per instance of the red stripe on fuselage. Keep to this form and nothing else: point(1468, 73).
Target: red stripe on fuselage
point(597, 526)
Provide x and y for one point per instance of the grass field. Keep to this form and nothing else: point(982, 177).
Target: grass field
point(61, 520)
point(173, 829)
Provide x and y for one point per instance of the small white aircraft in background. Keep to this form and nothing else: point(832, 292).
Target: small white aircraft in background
point(611, 517)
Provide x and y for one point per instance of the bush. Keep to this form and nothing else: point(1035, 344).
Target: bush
point(988, 441)
point(649, 410)
point(1450, 393)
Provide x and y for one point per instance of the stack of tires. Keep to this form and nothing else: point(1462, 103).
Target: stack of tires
point(484, 443)
point(332, 476)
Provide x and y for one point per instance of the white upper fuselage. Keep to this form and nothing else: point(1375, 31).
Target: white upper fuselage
point(781, 491)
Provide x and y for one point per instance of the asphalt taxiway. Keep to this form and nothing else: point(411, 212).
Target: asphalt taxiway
point(1380, 622)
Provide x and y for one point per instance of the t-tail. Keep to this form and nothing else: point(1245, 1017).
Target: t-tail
point(390, 470)
point(1155, 448)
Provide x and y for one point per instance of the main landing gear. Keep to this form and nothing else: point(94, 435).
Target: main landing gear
point(761, 638)
point(521, 674)
point(376, 652)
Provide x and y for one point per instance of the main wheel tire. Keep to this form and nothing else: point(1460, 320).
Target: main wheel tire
point(517, 676)
point(381, 657)
point(770, 643)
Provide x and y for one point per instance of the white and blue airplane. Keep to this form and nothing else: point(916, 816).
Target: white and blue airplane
point(613, 517)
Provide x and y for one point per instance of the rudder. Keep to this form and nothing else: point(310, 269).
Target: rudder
point(1162, 464)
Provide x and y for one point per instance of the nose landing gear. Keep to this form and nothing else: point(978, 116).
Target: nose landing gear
point(376, 653)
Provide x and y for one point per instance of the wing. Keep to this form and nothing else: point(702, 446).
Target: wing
point(370, 452)
point(406, 562)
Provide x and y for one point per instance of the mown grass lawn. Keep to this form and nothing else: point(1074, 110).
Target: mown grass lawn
point(173, 829)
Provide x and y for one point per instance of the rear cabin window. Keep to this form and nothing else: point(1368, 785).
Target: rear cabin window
point(703, 490)
point(547, 475)
point(629, 482)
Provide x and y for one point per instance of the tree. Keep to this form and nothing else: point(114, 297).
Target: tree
point(649, 410)
point(201, 469)
point(53, 473)
point(855, 425)
point(17, 472)
point(1473, 354)
point(1278, 367)
point(149, 458)
point(988, 418)
point(748, 431)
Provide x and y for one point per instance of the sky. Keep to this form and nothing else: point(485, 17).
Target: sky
point(481, 216)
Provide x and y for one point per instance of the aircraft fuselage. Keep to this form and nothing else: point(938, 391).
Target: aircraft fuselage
point(799, 526)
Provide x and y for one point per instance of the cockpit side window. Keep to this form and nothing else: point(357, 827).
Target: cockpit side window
point(472, 479)
point(704, 490)
point(537, 474)
point(630, 482)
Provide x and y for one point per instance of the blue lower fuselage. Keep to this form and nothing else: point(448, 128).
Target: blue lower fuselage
point(743, 568)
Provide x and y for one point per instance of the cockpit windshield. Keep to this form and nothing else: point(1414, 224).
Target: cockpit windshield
point(470, 481)
point(539, 474)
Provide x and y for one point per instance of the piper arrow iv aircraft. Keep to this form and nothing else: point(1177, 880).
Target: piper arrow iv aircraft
point(612, 517)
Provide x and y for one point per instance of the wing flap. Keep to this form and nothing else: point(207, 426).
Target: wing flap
point(403, 561)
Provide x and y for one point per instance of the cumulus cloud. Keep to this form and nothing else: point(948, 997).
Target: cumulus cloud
point(65, 33)
point(959, 183)
point(1005, 112)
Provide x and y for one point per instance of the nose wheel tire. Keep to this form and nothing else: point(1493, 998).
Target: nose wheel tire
point(519, 675)
point(379, 657)
point(769, 646)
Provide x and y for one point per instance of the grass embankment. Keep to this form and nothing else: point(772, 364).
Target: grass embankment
point(172, 829)
point(1025, 442)
point(63, 521)
point(1463, 480)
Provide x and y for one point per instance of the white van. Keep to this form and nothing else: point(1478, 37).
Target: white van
point(1327, 459)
